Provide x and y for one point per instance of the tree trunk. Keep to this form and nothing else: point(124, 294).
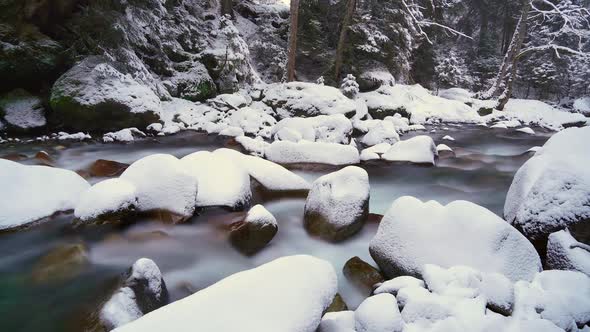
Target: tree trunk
point(507, 74)
point(347, 19)
point(227, 8)
point(292, 40)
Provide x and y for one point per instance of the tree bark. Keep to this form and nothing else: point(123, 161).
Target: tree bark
point(292, 52)
point(347, 19)
point(227, 8)
point(507, 73)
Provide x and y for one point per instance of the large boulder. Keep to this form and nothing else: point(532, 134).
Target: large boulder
point(288, 294)
point(301, 99)
point(551, 191)
point(338, 204)
point(378, 313)
point(413, 233)
point(111, 200)
point(97, 94)
point(334, 128)
point(255, 231)
point(30, 193)
point(420, 149)
point(194, 84)
point(286, 152)
point(143, 290)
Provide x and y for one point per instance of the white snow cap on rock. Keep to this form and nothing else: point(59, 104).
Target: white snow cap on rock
point(260, 216)
point(582, 105)
point(552, 189)
point(378, 313)
point(30, 193)
point(288, 294)
point(565, 253)
point(419, 149)
point(413, 233)
point(383, 132)
point(526, 130)
point(254, 146)
point(375, 152)
point(394, 285)
point(270, 175)
point(162, 183)
point(108, 196)
point(284, 152)
point(340, 321)
point(222, 181)
point(123, 135)
point(334, 128)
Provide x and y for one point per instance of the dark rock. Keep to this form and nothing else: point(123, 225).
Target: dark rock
point(483, 111)
point(107, 168)
point(14, 156)
point(44, 158)
point(255, 232)
point(61, 263)
point(362, 274)
point(337, 304)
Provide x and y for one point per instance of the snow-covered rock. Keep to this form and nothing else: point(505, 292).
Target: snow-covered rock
point(162, 183)
point(96, 95)
point(537, 113)
point(252, 121)
point(413, 233)
point(123, 135)
point(562, 297)
point(334, 128)
point(526, 130)
point(30, 193)
point(565, 253)
point(444, 150)
point(457, 94)
point(337, 205)
point(340, 321)
point(375, 152)
point(288, 294)
point(418, 104)
point(284, 152)
point(231, 131)
point(378, 313)
point(301, 99)
point(22, 111)
point(106, 199)
point(271, 176)
point(420, 149)
point(394, 285)
point(80, 136)
point(255, 231)
point(383, 132)
point(222, 181)
point(551, 191)
point(142, 291)
point(448, 138)
point(582, 105)
point(254, 146)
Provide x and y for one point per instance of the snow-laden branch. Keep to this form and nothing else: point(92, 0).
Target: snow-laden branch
point(556, 48)
point(417, 17)
point(447, 28)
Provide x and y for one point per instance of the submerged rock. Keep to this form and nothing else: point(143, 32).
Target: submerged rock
point(338, 204)
point(362, 274)
point(61, 263)
point(255, 232)
point(143, 290)
point(107, 168)
point(413, 233)
point(97, 95)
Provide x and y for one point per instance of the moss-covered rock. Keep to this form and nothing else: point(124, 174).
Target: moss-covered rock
point(96, 94)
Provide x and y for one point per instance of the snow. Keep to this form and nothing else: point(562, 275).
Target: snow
point(535, 113)
point(448, 138)
point(288, 294)
point(499, 126)
point(108, 196)
point(443, 147)
point(162, 183)
point(419, 149)
point(552, 189)
point(270, 175)
point(322, 128)
point(46, 190)
point(284, 152)
point(251, 120)
point(63, 136)
point(582, 105)
point(307, 100)
point(378, 313)
point(155, 127)
point(254, 146)
point(231, 131)
point(394, 285)
point(375, 152)
point(123, 135)
point(340, 200)
point(222, 181)
point(457, 94)
point(260, 216)
point(341, 321)
point(413, 233)
point(422, 106)
point(562, 297)
point(24, 112)
point(383, 132)
point(565, 253)
point(526, 130)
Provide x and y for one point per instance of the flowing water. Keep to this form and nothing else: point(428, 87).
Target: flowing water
point(196, 254)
